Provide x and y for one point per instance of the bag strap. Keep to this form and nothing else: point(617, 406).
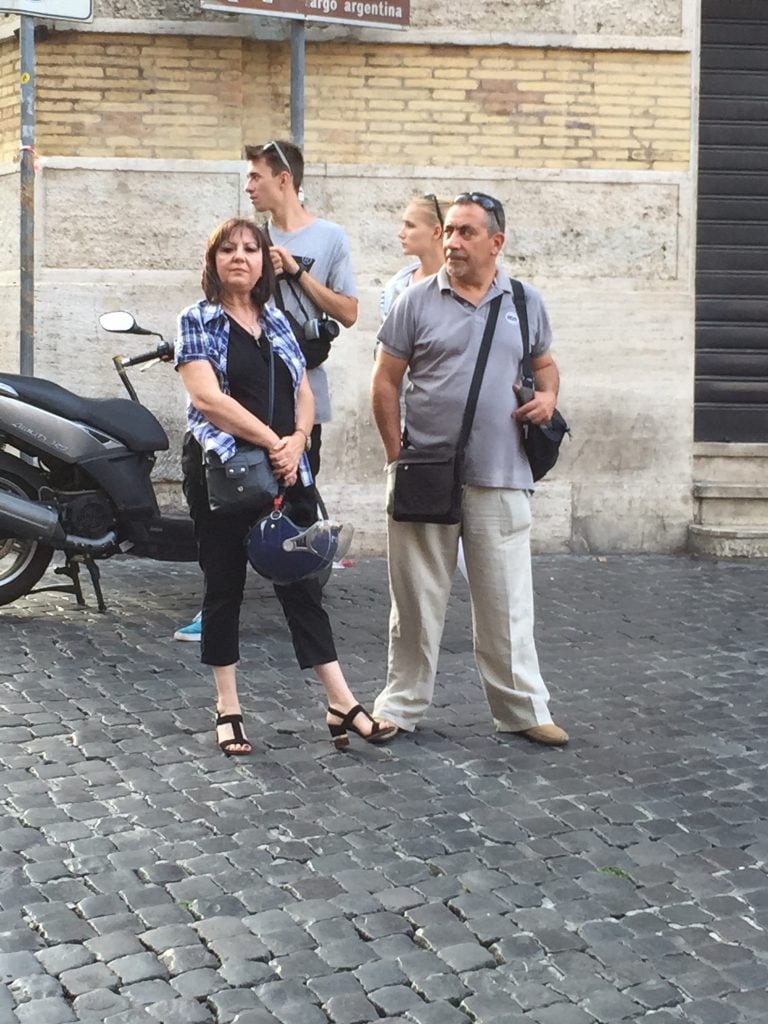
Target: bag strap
point(477, 377)
point(271, 352)
point(278, 296)
point(518, 294)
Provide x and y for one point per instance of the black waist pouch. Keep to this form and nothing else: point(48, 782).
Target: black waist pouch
point(428, 486)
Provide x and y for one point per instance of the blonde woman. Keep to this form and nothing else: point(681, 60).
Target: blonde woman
point(421, 235)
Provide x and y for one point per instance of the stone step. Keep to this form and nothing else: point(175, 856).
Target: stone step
point(728, 542)
point(730, 463)
point(730, 504)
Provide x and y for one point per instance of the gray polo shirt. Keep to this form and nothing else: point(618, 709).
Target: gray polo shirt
point(439, 333)
point(323, 249)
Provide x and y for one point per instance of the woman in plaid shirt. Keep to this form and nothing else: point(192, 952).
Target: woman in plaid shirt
point(222, 355)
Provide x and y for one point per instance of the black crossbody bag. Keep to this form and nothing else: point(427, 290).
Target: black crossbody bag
point(244, 483)
point(429, 482)
point(541, 441)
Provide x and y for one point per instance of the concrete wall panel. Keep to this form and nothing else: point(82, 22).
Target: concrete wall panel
point(620, 17)
point(74, 351)
point(560, 229)
point(572, 230)
point(133, 219)
point(552, 506)
point(171, 9)
point(9, 328)
point(626, 360)
point(601, 512)
point(499, 15)
point(9, 224)
point(604, 254)
point(9, 271)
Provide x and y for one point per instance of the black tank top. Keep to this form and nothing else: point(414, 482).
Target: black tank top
point(248, 374)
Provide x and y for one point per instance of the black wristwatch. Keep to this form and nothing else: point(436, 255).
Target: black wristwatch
point(295, 276)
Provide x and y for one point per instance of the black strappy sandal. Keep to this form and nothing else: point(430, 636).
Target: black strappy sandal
point(339, 735)
point(239, 739)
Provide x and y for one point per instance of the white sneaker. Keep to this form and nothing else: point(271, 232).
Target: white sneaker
point(192, 631)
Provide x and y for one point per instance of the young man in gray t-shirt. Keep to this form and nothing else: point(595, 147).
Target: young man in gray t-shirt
point(311, 258)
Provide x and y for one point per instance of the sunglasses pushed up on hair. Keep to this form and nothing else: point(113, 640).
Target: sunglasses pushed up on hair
point(487, 202)
point(283, 158)
point(433, 199)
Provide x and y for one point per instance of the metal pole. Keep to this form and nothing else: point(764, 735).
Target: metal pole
point(27, 196)
point(298, 66)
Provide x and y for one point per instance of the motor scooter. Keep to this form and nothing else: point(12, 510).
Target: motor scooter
point(75, 477)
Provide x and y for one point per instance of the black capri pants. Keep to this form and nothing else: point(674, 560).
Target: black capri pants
point(222, 556)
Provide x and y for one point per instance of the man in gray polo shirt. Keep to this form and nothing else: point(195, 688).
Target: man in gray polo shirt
point(434, 331)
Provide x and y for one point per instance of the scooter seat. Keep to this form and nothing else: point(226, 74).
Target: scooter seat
point(121, 418)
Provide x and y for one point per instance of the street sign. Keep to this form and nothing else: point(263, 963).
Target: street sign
point(369, 13)
point(65, 10)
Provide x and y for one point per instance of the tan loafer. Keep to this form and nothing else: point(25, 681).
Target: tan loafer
point(549, 735)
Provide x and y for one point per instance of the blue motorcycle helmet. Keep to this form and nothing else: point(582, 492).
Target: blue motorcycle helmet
point(283, 552)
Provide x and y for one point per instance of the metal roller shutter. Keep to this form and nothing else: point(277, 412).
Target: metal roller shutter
point(731, 402)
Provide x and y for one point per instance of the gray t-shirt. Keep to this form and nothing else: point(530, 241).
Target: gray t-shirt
point(322, 249)
point(439, 334)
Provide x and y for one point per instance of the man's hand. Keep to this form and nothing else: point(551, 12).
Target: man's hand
point(388, 374)
point(282, 260)
point(542, 405)
point(539, 410)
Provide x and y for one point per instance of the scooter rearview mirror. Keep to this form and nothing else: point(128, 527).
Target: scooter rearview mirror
point(122, 322)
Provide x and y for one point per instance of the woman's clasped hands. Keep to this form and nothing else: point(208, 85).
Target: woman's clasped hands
point(284, 456)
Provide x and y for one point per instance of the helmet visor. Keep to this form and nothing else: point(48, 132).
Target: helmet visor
point(326, 539)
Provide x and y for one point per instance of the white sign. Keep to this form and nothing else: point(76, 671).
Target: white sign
point(65, 10)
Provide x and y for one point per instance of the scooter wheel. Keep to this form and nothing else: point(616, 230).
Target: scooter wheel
point(22, 562)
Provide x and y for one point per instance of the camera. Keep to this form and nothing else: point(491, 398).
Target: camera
point(320, 329)
point(314, 338)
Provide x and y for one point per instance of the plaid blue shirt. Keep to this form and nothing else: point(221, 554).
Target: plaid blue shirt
point(204, 334)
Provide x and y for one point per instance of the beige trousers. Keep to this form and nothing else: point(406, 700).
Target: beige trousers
point(495, 531)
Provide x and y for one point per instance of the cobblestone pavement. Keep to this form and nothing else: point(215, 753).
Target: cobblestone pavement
point(450, 877)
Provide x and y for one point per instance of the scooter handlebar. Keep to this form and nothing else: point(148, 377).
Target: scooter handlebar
point(164, 351)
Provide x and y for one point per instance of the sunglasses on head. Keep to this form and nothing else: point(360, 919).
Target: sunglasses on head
point(283, 159)
point(487, 202)
point(433, 198)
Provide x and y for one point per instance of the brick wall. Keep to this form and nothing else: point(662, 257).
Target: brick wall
point(9, 101)
point(266, 92)
point(169, 97)
point(443, 105)
point(153, 96)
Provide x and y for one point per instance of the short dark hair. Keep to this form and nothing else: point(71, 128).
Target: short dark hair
point(494, 211)
point(273, 152)
point(264, 288)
